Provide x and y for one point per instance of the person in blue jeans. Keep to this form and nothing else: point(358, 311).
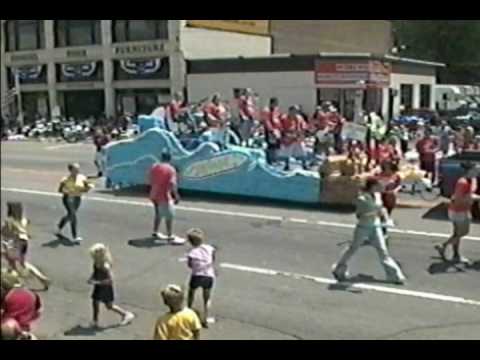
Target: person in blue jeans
point(371, 215)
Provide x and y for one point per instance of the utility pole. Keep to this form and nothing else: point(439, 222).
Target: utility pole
point(19, 97)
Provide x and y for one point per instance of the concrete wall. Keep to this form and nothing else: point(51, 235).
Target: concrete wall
point(289, 87)
point(316, 36)
point(206, 44)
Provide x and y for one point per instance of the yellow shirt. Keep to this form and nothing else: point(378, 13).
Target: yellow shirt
point(14, 229)
point(75, 187)
point(178, 326)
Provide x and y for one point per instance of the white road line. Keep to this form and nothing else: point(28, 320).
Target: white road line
point(238, 214)
point(376, 288)
point(64, 146)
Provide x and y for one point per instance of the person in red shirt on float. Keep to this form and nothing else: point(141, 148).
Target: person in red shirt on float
point(18, 302)
point(427, 148)
point(336, 122)
point(459, 212)
point(164, 195)
point(385, 152)
point(175, 109)
point(216, 116)
point(319, 125)
point(293, 134)
point(247, 113)
point(272, 124)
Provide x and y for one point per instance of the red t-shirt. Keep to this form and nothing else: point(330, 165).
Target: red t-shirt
point(163, 178)
point(246, 106)
point(22, 305)
point(293, 128)
point(216, 114)
point(427, 149)
point(319, 122)
point(271, 119)
point(463, 188)
point(384, 153)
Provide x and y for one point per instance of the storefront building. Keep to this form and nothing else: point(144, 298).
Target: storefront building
point(385, 84)
point(82, 68)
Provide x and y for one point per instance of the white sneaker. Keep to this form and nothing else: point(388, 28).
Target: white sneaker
point(211, 320)
point(127, 319)
point(78, 239)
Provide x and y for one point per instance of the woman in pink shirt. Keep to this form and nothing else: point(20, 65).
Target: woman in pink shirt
point(201, 260)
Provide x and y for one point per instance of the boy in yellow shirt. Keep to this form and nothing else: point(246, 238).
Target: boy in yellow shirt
point(180, 323)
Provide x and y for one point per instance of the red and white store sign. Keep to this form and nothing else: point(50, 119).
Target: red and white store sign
point(353, 75)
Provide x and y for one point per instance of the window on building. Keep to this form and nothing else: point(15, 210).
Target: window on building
point(77, 32)
point(23, 35)
point(425, 96)
point(406, 96)
point(140, 30)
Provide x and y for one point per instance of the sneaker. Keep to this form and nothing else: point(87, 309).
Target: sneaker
point(211, 320)
point(441, 251)
point(78, 240)
point(461, 260)
point(127, 319)
point(157, 235)
point(176, 240)
point(58, 232)
point(339, 277)
point(46, 284)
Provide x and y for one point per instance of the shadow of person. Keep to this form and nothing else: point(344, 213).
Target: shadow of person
point(475, 266)
point(60, 240)
point(80, 330)
point(443, 267)
point(147, 243)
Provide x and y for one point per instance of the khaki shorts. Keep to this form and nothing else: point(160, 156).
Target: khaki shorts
point(461, 222)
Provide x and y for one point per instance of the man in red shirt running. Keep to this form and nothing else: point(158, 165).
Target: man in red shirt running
point(18, 302)
point(164, 195)
point(459, 212)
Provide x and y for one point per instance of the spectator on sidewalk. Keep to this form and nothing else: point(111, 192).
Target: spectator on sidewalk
point(427, 148)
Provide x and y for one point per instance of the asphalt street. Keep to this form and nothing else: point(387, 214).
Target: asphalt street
point(275, 261)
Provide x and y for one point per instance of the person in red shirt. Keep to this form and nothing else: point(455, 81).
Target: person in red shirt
point(176, 108)
point(427, 148)
point(336, 122)
point(292, 142)
point(247, 113)
point(164, 195)
point(272, 124)
point(18, 302)
point(100, 140)
point(216, 116)
point(459, 212)
point(319, 125)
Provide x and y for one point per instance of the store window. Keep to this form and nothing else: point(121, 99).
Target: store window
point(140, 30)
point(77, 32)
point(425, 96)
point(23, 35)
point(406, 96)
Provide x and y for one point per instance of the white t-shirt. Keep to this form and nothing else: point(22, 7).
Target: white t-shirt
point(201, 259)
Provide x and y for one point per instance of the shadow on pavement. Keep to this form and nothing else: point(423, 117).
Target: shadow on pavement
point(60, 240)
point(79, 330)
point(358, 279)
point(439, 212)
point(475, 266)
point(148, 243)
point(443, 267)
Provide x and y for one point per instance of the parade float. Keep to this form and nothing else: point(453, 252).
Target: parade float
point(237, 171)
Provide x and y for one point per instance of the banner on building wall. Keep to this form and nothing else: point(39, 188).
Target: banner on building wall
point(353, 75)
point(28, 73)
point(254, 27)
point(79, 71)
point(141, 67)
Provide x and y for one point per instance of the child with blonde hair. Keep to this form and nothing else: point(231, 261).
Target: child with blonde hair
point(180, 323)
point(201, 260)
point(15, 239)
point(102, 281)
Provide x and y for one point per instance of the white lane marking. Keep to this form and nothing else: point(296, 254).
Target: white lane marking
point(64, 146)
point(376, 288)
point(238, 214)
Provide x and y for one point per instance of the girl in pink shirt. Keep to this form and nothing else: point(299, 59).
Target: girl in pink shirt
point(201, 260)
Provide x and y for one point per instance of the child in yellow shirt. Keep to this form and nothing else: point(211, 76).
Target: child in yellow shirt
point(180, 323)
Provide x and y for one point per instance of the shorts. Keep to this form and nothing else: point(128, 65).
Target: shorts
point(295, 150)
point(199, 281)
point(459, 218)
point(164, 210)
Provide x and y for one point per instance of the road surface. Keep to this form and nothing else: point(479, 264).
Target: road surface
point(275, 261)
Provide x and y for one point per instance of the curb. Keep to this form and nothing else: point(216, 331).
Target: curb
point(418, 204)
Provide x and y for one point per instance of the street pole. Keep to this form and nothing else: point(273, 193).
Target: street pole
point(19, 97)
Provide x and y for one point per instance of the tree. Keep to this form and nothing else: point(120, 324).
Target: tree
point(453, 42)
